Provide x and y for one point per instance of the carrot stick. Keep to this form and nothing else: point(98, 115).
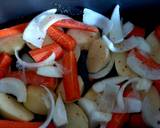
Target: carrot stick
point(64, 40)
point(13, 30)
point(18, 124)
point(70, 23)
point(30, 77)
point(41, 54)
point(5, 62)
point(137, 31)
point(70, 78)
point(118, 120)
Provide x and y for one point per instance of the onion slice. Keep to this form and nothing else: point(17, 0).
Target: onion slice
point(126, 45)
point(51, 111)
point(50, 71)
point(116, 34)
point(141, 69)
point(15, 87)
point(36, 30)
point(131, 105)
point(49, 61)
point(103, 72)
point(91, 17)
point(60, 114)
point(127, 28)
point(100, 86)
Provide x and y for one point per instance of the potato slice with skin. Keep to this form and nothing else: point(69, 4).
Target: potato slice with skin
point(154, 43)
point(47, 41)
point(76, 117)
point(98, 56)
point(10, 43)
point(121, 65)
point(11, 109)
point(83, 38)
point(60, 88)
point(37, 101)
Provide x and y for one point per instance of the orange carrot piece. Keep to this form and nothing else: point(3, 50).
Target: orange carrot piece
point(70, 78)
point(13, 30)
point(146, 59)
point(157, 32)
point(64, 40)
point(30, 77)
point(137, 31)
point(71, 23)
point(118, 120)
point(5, 62)
point(41, 54)
point(18, 124)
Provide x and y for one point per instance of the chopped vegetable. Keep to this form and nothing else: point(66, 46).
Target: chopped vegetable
point(73, 24)
point(118, 120)
point(5, 62)
point(51, 110)
point(13, 110)
point(60, 114)
point(49, 61)
point(15, 87)
point(11, 31)
point(50, 71)
point(44, 52)
point(70, 77)
point(30, 77)
point(91, 17)
point(137, 31)
point(143, 64)
point(116, 34)
point(37, 100)
point(127, 28)
point(20, 124)
point(64, 40)
point(157, 32)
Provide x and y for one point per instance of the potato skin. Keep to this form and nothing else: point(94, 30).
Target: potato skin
point(83, 38)
point(11, 109)
point(9, 44)
point(35, 100)
point(76, 117)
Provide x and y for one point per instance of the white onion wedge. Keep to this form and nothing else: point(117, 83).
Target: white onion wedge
point(140, 68)
point(50, 71)
point(60, 114)
point(151, 108)
point(36, 30)
point(101, 117)
point(100, 86)
point(127, 28)
point(131, 105)
point(120, 99)
point(103, 72)
point(91, 17)
point(51, 111)
point(124, 46)
point(15, 87)
point(116, 34)
point(49, 61)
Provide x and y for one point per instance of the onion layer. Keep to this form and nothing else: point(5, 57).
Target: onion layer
point(36, 31)
point(127, 28)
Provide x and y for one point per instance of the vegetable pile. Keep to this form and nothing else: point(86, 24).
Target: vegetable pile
point(64, 78)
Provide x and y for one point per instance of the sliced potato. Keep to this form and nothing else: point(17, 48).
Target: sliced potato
point(47, 41)
point(60, 88)
point(83, 38)
point(121, 65)
point(10, 43)
point(76, 117)
point(155, 47)
point(11, 109)
point(37, 101)
point(98, 56)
